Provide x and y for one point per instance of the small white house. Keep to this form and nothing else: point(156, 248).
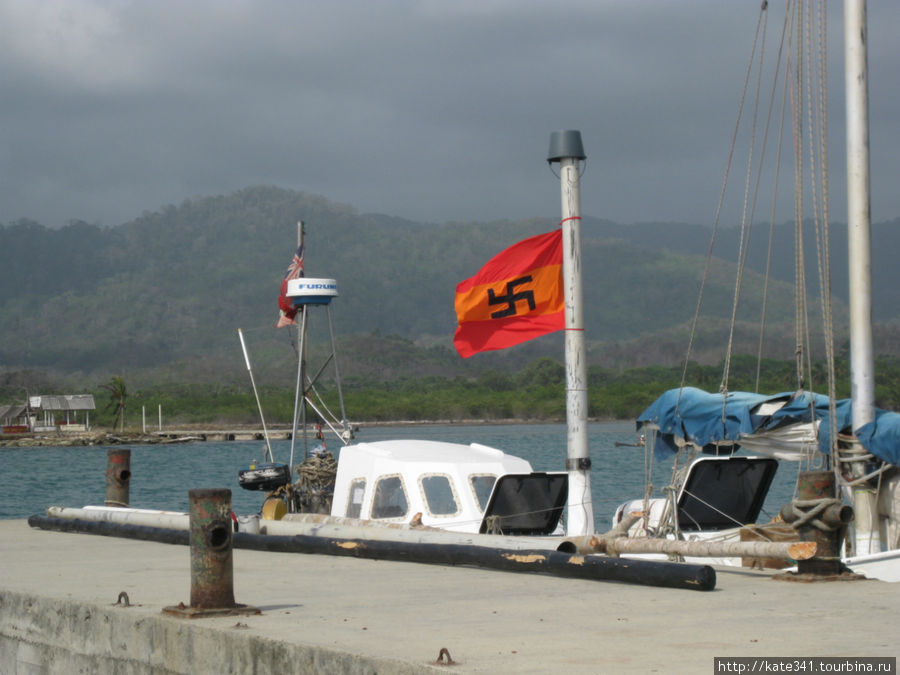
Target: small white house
point(69, 412)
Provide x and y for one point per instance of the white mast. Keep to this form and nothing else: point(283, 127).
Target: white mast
point(858, 212)
point(567, 149)
point(859, 245)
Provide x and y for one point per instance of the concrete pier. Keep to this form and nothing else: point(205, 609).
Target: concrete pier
point(219, 435)
point(323, 614)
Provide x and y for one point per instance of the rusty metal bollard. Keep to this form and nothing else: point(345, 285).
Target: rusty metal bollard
point(212, 569)
point(118, 476)
point(212, 572)
point(819, 517)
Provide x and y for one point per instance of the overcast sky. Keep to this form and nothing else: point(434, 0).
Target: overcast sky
point(433, 110)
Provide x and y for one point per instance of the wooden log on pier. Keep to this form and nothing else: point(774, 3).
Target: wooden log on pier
point(616, 542)
point(783, 550)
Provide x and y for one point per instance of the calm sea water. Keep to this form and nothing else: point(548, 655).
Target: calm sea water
point(162, 474)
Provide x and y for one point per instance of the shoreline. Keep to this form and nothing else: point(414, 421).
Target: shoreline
point(201, 433)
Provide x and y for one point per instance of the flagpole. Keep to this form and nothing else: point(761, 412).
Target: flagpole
point(566, 148)
point(299, 398)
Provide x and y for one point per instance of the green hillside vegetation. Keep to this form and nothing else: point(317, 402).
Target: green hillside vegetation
point(536, 393)
point(687, 239)
point(158, 301)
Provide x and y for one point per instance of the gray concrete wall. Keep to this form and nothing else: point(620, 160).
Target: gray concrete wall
point(41, 636)
point(345, 615)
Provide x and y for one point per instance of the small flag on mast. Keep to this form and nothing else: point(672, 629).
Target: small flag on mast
point(515, 297)
point(287, 311)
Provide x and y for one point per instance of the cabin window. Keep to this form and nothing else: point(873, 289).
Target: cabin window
point(390, 498)
point(482, 484)
point(355, 500)
point(439, 496)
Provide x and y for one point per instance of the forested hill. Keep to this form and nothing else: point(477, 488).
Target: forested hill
point(694, 239)
point(167, 291)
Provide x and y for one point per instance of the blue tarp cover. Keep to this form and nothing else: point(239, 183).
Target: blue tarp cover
point(699, 417)
point(882, 437)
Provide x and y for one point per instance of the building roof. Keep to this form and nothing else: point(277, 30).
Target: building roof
point(64, 402)
point(11, 412)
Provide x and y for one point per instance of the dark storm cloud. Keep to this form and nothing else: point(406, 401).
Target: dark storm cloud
point(430, 110)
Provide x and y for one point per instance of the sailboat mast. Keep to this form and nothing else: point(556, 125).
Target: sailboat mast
point(567, 149)
point(867, 532)
point(856, 82)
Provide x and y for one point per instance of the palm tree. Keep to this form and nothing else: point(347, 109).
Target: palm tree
point(117, 396)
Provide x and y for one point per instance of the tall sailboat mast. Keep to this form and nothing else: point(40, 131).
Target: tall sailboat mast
point(856, 82)
point(867, 532)
point(566, 149)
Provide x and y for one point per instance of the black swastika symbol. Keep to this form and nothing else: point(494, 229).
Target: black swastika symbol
point(511, 298)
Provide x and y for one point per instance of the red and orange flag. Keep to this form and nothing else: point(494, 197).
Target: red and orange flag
point(516, 296)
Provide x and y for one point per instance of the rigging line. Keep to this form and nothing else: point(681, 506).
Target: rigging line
point(815, 93)
point(811, 115)
point(292, 339)
point(785, 36)
point(650, 441)
point(719, 207)
point(312, 389)
point(337, 434)
point(255, 329)
point(814, 113)
point(824, 233)
point(807, 65)
point(746, 226)
point(315, 378)
point(799, 262)
point(667, 519)
point(711, 507)
point(879, 472)
point(515, 514)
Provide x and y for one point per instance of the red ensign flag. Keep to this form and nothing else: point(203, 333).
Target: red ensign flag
point(516, 296)
point(287, 311)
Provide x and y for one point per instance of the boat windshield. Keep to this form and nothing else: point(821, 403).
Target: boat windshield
point(439, 495)
point(390, 498)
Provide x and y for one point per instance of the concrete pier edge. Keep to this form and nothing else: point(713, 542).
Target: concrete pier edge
point(328, 614)
point(49, 635)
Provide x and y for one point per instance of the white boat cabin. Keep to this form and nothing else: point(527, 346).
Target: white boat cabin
point(451, 485)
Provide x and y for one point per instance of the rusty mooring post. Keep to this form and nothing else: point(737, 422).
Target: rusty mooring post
point(118, 476)
point(212, 570)
point(212, 573)
point(819, 516)
point(820, 485)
